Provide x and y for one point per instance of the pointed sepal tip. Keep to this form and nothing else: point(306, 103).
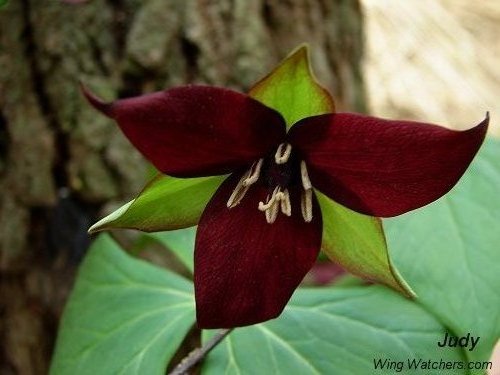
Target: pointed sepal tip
point(95, 101)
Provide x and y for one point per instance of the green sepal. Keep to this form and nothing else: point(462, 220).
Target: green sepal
point(166, 203)
point(357, 242)
point(292, 90)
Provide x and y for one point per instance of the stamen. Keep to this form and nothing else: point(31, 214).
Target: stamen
point(306, 197)
point(273, 204)
point(249, 178)
point(306, 182)
point(254, 173)
point(238, 193)
point(306, 205)
point(279, 195)
point(272, 213)
point(269, 202)
point(286, 207)
point(264, 206)
point(281, 157)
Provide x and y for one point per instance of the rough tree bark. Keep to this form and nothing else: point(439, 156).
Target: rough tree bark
point(60, 162)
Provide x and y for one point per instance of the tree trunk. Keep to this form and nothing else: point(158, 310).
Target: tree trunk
point(60, 162)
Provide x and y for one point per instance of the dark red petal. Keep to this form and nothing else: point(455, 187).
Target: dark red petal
point(380, 167)
point(245, 269)
point(194, 131)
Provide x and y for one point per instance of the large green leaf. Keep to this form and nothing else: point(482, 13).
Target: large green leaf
point(180, 242)
point(292, 89)
point(335, 331)
point(355, 241)
point(166, 203)
point(450, 252)
point(124, 316)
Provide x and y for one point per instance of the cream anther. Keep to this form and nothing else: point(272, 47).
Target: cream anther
point(285, 205)
point(238, 193)
point(248, 179)
point(272, 213)
point(282, 156)
point(269, 201)
point(306, 182)
point(279, 201)
point(306, 205)
point(254, 173)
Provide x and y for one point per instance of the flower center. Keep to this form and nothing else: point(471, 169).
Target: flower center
point(277, 173)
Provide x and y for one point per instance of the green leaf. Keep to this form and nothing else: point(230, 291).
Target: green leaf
point(166, 203)
point(449, 251)
point(357, 243)
point(180, 242)
point(292, 89)
point(334, 331)
point(124, 316)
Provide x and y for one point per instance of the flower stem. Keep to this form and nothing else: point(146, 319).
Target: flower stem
point(199, 354)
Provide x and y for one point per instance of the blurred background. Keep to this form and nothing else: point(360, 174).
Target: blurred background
point(433, 60)
point(62, 166)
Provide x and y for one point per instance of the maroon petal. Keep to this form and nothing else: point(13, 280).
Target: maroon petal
point(195, 131)
point(246, 269)
point(380, 167)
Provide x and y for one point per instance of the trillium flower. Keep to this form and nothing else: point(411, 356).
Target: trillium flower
point(285, 165)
